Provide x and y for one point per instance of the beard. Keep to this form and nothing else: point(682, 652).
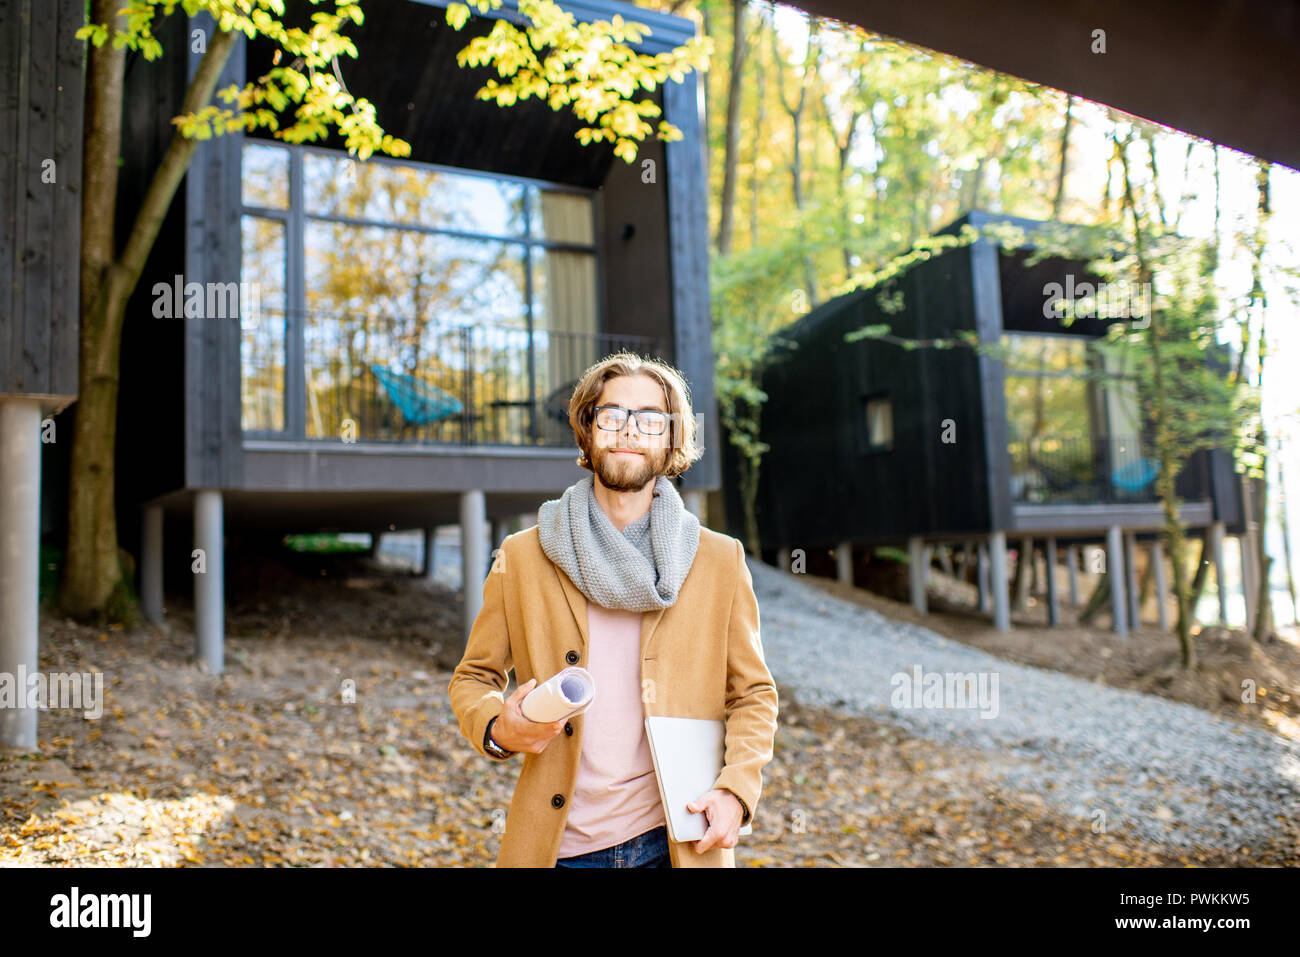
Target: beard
point(621, 473)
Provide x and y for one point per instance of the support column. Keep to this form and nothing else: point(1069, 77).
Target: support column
point(844, 562)
point(917, 571)
point(998, 580)
point(209, 585)
point(473, 555)
point(783, 559)
point(151, 563)
point(1249, 589)
point(1053, 609)
point(1115, 566)
point(1072, 565)
point(982, 577)
point(430, 569)
point(1162, 586)
point(1220, 580)
point(499, 533)
point(1131, 580)
point(20, 560)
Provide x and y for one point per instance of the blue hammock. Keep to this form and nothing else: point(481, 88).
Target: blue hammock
point(1136, 475)
point(419, 402)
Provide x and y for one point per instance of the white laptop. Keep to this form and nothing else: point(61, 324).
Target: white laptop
point(688, 755)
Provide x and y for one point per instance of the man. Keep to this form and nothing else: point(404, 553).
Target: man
point(619, 578)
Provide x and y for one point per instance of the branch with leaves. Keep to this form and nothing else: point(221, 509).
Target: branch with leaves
point(312, 81)
point(587, 67)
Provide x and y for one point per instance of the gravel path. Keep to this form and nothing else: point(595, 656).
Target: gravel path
point(1167, 771)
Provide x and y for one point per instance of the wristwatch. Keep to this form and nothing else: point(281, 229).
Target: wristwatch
point(490, 746)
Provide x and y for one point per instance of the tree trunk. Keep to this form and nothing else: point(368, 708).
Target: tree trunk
point(1199, 579)
point(1286, 536)
point(1099, 598)
point(731, 147)
point(1264, 616)
point(796, 111)
point(1165, 444)
point(1024, 558)
point(1059, 199)
point(94, 587)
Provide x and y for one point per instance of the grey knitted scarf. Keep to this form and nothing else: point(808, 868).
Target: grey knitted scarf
point(639, 569)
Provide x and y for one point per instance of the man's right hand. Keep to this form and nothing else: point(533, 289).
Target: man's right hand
point(515, 732)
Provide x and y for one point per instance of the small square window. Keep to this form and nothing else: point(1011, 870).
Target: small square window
point(879, 423)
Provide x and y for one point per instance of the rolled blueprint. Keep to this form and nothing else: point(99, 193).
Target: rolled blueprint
point(568, 693)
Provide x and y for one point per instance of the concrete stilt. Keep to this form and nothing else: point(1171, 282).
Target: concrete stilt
point(151, 563)
point(1115, 565)
point(1072, 566)
point(982, 574)
point(209, 586)
point(1220, 579)
point(1162, 585)
point(917, 571)
point(473, 554)
point(430, 568)
point(20, 550)
point(1248, 586)
point(1053, 602)
point(844, 562)
point(783, 559)
point(998, 580)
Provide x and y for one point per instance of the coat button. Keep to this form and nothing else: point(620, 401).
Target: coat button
point(568, 728)
point(557, 801)
point(571, 657)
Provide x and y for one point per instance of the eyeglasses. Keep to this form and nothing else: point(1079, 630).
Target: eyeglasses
point(612, 418)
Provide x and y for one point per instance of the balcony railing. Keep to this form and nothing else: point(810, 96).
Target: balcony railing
point(1088, 469)
point(385, 379)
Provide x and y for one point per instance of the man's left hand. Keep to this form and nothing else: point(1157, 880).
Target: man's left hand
point(723, 811)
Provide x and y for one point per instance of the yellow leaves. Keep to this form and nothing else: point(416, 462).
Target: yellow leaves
point(589, 67)
point(457, 15)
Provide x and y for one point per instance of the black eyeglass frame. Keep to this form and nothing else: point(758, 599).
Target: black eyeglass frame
point(636, 417)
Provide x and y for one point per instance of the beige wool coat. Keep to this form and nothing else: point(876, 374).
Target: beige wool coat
point(700, 658)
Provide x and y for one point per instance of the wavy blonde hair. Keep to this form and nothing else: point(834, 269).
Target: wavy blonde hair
point(683, 441)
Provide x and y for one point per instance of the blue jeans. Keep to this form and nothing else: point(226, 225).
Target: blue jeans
point(645, 850)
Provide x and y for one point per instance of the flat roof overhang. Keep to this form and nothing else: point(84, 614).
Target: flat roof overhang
point(1225, 70)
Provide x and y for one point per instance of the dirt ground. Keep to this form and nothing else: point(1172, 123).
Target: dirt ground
point(266, 765)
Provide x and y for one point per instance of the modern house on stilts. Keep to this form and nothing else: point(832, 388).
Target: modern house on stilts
point(872, 444)
point(416, 327)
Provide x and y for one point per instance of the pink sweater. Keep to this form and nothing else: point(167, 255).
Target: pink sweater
point(617, 796)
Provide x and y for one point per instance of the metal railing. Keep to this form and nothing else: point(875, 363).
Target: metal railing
point(390, 379)
point(1082, 469)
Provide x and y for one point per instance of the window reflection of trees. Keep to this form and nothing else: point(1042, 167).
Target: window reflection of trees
point(447, 308)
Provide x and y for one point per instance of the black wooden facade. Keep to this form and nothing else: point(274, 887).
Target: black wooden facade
point(180, 414)
point(946, 474)
point(40, 198)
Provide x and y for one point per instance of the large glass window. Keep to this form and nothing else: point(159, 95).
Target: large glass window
point(1073, 427)
point(424, 303)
